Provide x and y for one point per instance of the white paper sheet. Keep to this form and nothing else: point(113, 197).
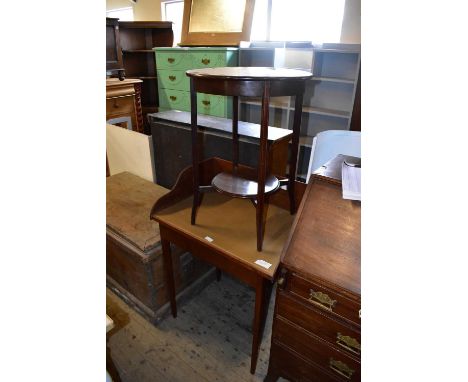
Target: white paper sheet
point(351, 181)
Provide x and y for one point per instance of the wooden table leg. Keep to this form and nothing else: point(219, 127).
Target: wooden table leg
point(235, 134)
point(195, 156)
point(168, 269)
point(262, 166)
point(262, 299)
point(294, 150)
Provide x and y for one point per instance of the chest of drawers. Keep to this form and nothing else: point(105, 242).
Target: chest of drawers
point(316, 327)
point(174, 85)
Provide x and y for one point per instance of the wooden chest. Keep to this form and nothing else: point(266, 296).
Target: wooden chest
point(316, 327)
point(133, 250)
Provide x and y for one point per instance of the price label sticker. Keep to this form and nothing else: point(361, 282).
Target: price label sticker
point(263, 263)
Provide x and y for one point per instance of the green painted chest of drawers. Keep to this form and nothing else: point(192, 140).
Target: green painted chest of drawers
point(174, 85)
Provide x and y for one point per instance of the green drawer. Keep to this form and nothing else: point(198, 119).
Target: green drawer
point(174, 99)
point(173, 79)
point(174, 59)
point(208, 59)
point(211, 104)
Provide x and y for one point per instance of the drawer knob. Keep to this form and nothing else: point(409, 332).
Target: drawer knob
point(205, 102)
point(322, 300)
point(172, 78)
point(205, 61)
point(173, 98)
point(348, 343)
point(170, 60)
point(341, 368)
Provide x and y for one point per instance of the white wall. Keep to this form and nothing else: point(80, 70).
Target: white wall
point(351, 27)
point(143, 10)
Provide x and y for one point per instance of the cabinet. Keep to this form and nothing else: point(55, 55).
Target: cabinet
point(123, 103)
point(113, 52)
point(174, 85)
point(330, 98)
point(137, 40)
point(317, 324)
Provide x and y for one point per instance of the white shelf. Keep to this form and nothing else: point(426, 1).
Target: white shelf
point(333, 79)
point(323, 111)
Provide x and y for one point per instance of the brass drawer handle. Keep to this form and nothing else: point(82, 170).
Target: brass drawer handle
point(173, 98)
point(205, 61)
point(341, 368)
point(205, 102)
point(172, 78)
point(348, 343)
point(323, 300)
point(170, 60)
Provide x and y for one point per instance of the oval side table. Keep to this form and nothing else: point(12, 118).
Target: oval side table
point(249, 82)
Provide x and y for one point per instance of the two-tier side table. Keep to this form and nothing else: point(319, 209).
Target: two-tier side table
point(248, 82)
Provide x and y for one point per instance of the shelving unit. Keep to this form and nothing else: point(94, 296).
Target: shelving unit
point(329, 99)
point(137, 40)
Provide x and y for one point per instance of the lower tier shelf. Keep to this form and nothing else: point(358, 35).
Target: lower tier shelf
point(240, 187)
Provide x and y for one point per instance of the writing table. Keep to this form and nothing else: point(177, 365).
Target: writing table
point(224, 236)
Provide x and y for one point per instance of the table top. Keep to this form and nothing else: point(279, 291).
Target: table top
point(230, 224)
point(250, 73)
point(326, 238)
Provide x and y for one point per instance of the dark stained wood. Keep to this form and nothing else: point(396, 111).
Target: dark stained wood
point(169, 271)
point(242, 188)
point(215, 241)
point(137, 39)
point(356, 117)
point(113, 51)
point(235, 132)
point(245, 81)
point(316, 327)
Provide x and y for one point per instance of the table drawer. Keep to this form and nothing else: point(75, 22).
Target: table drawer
point(211, 104)
point(173, 60)
point(319, 296)
point(174, 99)
point(120, 105)
point(320, 323)
point(173, 79)
point(317, 351)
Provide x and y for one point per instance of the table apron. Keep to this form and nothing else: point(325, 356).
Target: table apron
point(206, 253)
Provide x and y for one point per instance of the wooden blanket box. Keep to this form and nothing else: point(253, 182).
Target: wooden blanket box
point(134, 263)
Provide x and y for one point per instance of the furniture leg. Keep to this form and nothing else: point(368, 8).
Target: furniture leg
point(261, 304)
point(235, 134)
point(262, 166)
point(195, 156)
point(218, 274)
point(294, 150)
point(168, 268)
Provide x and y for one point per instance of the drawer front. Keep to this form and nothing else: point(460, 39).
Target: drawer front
point(173, 79)
point(319, 352)
point(173, 60)
point(291, 366)
point(208, 59)
point(211, 104)
point(319, 296)
point(174, 99)
point(120, 105)
point(319, 323)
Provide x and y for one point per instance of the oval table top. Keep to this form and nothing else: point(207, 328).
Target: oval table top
point(250, 73)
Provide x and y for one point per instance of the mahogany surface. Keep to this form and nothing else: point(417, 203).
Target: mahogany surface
point(317, 324)
point(240, 187)
point(225, 236)
point(254, 82)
